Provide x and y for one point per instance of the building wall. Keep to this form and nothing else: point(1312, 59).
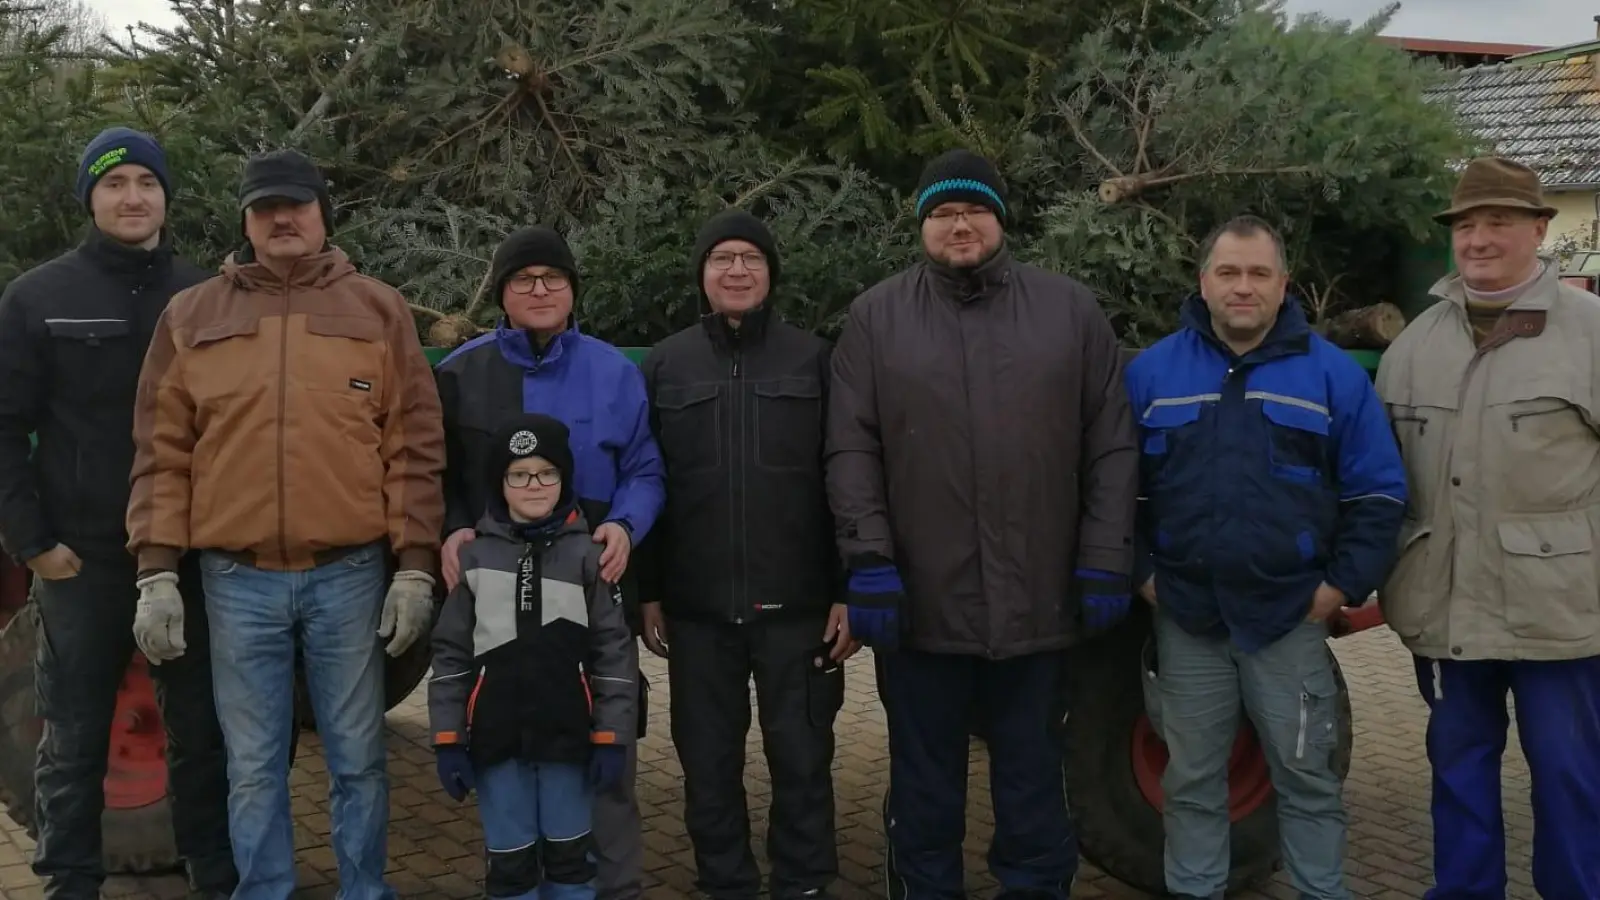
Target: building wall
point(1575, 210)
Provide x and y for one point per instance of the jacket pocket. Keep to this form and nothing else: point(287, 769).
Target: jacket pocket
point(348, 361)
point(1297, 441)
point(789, 423)
point(224, 360)
point(690, 427)
point(1549, 581)
point(1162, 427)
point(1406, 598)
point(84, 350)
point(824, 692)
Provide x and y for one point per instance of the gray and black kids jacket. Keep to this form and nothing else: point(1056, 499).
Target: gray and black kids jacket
point(531, 653)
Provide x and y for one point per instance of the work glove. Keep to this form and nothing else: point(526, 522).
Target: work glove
point(1104, 598)
point(158, 624)
point(874, 596)
point(407, 610)
point(455, 770)
point(606, 763)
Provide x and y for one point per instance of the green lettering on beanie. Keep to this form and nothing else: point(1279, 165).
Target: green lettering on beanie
point(107, 160)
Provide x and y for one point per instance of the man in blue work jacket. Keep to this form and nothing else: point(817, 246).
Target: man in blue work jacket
point(538, 361)
point(1271, 494)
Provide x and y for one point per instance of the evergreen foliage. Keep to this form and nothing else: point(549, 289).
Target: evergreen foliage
point(1125, 129)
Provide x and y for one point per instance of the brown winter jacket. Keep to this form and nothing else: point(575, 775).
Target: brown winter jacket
point(286, 421)
point(979, 436)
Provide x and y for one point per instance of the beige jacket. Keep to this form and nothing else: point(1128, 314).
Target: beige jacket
point(1497, 552)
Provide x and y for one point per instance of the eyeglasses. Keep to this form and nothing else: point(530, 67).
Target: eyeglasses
point(948, 217)
point(522, 283)
point(546, 477)
point(722, 260)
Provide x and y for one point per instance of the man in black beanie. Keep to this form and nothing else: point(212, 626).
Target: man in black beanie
point(73, 335)
point(982, 467)
point(740, 576)
point(538, 361)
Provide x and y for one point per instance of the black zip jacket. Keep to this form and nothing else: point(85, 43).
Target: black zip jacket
point(739, 415)
point(73, 335)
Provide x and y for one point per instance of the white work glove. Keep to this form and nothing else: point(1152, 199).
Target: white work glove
point(407, 610)
point(158, 625)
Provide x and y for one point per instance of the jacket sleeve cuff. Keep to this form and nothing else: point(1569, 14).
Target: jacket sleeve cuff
point(448, 739)
point(1352, 597)
point(418, 559)
point(157, 558)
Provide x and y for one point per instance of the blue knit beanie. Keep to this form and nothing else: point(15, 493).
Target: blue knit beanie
point(115, 147)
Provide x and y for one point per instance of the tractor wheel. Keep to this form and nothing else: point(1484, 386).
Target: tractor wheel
point(136, 828)
point(1114, 761)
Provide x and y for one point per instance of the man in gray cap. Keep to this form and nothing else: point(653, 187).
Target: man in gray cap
point(1494, 393)
point(287, 427)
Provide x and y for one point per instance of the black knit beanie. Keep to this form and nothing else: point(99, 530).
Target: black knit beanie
point(961, 176)
point(533, 246)
point(733, 225)
point(522, 436)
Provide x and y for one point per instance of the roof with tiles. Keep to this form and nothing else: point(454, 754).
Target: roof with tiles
point(1545, 115)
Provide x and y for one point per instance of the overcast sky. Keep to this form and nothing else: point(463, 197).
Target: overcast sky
point(1520, 21)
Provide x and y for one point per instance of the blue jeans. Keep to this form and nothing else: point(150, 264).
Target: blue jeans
point(1558, 719)
point(536, 818)
point(256, 618)
point(1288, 691)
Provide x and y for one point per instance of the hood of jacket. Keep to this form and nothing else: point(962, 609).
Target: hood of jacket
point(315, 271)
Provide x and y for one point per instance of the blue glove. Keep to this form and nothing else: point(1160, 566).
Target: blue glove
point(1103, 597)
point(606, 763)
point(874, 597)
point(455, 770)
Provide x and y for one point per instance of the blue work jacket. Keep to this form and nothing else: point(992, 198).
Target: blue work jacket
point(1261, 477)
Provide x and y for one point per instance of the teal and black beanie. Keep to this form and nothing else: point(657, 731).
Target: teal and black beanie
point(961, 176)
point(119, 147)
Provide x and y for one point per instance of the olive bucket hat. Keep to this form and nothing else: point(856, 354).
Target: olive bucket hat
point(1498, 182)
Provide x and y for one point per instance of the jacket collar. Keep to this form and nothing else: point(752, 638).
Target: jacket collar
point(520, 349)
point(315, 271)
point(1290, 334)
point(1539, 296)
point(752, 328)
point(562, 521)
point(124, 261)
point(982, 282)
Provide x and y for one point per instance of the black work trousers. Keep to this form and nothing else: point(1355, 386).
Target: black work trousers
point(85, 646)
point(709, 672)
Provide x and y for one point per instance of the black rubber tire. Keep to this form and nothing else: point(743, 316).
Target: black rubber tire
point(1118, 830)
point(134, 841)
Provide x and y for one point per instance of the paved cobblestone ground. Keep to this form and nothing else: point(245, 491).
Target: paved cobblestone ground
point(434, 851)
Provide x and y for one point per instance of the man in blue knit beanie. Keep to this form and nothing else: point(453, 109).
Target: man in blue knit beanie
point(120, 146)
point(73, 335)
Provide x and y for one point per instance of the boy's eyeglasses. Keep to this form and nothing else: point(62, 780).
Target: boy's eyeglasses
point(548, 478)
point(723, 260)
point(523, 283)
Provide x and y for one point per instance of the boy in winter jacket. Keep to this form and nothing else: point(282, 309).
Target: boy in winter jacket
point(532, 697)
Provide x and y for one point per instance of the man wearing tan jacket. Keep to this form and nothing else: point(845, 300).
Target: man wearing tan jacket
point(1494, 394)
point(287, 426)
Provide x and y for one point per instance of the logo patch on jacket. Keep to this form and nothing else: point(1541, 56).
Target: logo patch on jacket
point(360, 385)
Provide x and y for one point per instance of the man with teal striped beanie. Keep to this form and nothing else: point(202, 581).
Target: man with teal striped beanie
point(982, 469)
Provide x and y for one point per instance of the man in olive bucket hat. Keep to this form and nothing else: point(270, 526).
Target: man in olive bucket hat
point(1493, 394)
